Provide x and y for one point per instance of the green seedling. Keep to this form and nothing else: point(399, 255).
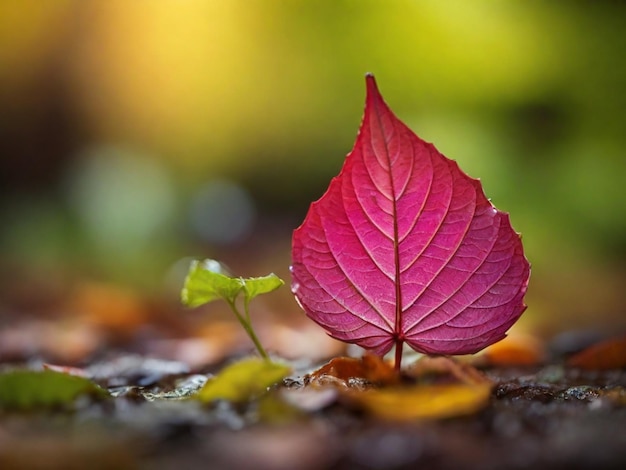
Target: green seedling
point(208, 281)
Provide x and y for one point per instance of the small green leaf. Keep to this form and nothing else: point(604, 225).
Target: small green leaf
point(26, 389)
point(207, 282)
point(254, 286)
point(243, 381)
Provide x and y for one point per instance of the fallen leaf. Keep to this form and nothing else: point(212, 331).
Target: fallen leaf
point(516, 350)
point(405, 247)
point(422, 401)
point(342, 370)
point(243, 381)
point(27, 389)
point(442, 367)
point(609, 354)
point(76, 371)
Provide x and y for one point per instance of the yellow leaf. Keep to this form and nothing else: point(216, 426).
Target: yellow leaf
point(243, 381)
point(423, 401)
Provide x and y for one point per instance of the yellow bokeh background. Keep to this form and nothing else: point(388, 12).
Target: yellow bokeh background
point(133, 131)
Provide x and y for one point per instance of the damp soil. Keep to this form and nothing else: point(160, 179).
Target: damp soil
point(548, 416)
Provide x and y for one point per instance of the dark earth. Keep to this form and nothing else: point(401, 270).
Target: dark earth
point(548, 416)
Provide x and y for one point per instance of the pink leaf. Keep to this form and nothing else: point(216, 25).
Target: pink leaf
point(405, 248)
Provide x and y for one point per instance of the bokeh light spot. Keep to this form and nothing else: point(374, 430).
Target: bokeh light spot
point(222, 212)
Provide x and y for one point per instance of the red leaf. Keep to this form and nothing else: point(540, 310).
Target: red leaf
point(405, 247)
point(606, 355)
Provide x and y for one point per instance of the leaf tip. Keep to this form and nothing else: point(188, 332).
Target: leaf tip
point(370, 83)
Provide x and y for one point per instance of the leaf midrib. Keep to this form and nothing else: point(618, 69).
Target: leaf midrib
point(396, 248)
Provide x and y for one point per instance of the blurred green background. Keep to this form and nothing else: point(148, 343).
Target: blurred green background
point(135, 134)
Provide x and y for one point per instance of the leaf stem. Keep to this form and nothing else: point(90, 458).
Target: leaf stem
point(398, 358)
point(245, 323)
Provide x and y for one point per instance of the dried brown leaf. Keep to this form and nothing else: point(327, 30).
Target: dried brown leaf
point(609, 354)
point(446, 367)
point(342, 371)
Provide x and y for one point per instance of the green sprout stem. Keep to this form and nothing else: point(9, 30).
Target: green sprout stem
point(207, 281)
point(247, 325)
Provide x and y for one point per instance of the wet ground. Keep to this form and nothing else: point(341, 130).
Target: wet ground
point(548, 416)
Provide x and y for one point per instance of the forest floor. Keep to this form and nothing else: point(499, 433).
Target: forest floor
point(542, 416)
